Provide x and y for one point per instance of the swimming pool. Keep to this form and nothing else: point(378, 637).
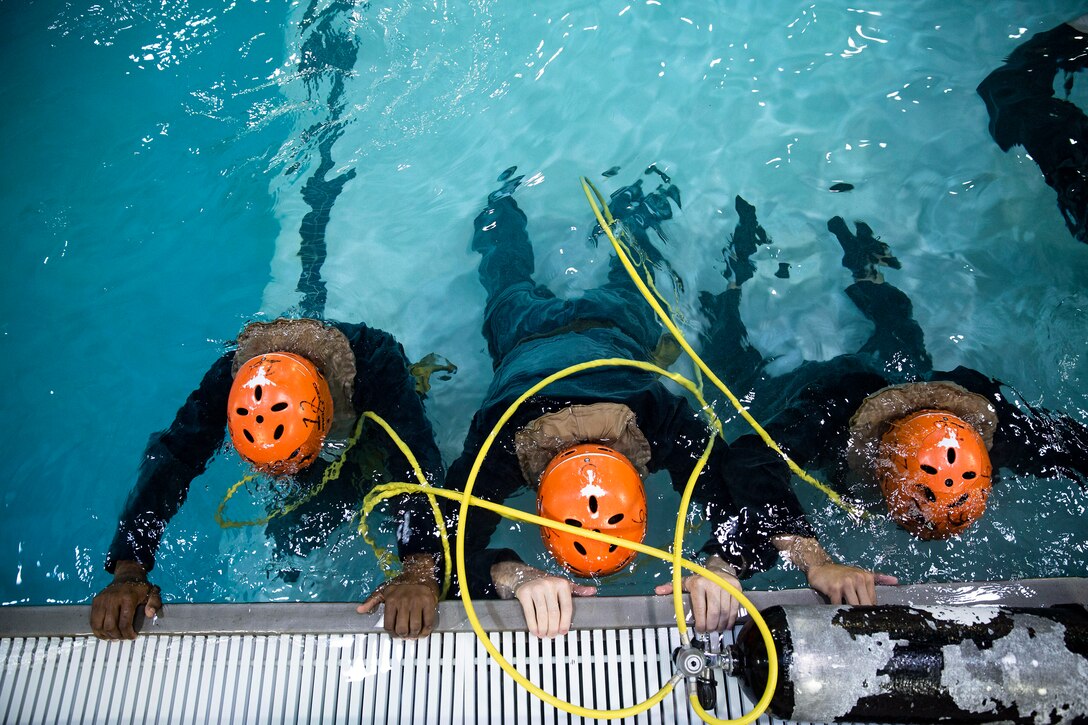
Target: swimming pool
point(158, 161)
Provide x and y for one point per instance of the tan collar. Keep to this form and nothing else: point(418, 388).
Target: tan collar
point(325, 346)
point(872, 418)
point(612, 424)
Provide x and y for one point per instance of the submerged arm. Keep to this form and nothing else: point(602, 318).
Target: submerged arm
point(173, 458)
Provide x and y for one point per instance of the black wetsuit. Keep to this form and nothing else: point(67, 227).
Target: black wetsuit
point(177, 455)
point(530, 334)
point(808, 410)
point(1023, 111)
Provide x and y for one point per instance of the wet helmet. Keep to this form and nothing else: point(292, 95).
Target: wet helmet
point(593, 487)
point(279, 412)
point(935, 473)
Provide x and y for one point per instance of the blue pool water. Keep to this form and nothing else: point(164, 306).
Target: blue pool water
point(157, 158)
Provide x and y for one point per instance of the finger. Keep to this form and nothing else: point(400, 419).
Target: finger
point(717, 611)
point(153, 608)
point(849, 593)
point(109, 622)
point(580, 590)
point(371, 602)
point(555, 613)
point(713, 610)
point(732, 610)
point(718, 623)
point(396, 621)
point(98, 612)
point(870, 590)
point(125, 620)
point(662, 589)
point(698, 607)
point(415, 619)
point(429, 614)
point(528, 608)
point(566, 609)
point(540, 604)
point(522, 595)
point(886, 579)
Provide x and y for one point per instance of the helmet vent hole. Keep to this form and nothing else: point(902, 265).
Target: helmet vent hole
point(279, 406)
point(959, 501)
point(951, 455)
point(294, 454)
point(248, 435)
point(611, 548)
point(930, 496)
point(257, 393)
point(929, 469)
point(241, 411)
point(593, 504)
point(260, 418)
point(949, 482)
point(278, 433)
point(968, 475)
point(581, 549)
point(616, 519)
point(573, 522)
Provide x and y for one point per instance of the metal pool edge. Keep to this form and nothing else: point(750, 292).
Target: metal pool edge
point(624, 612)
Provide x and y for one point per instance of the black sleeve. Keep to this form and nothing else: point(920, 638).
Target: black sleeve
point(745, 489)
point(384, 386)
point(499, 478)
point(1039, 442)
point(1030, 441)
point(1019, 95)
point(173, 458)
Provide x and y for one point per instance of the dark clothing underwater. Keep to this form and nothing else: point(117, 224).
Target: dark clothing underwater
point(531, 334)
point(1023, 111)
point(177, 455)
point(808, 410)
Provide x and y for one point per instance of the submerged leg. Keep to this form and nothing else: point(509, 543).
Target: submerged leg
point(619, 299)
point(897, 341)
point(638, 213)
point(725, 343)
point(1023, 110)
point(499, 234)
point(517, 307)
point(862, 253)
point(746, 239)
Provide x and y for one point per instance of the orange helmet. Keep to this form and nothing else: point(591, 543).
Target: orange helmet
point(279, 412)
point(935, 473)
point(594, 487)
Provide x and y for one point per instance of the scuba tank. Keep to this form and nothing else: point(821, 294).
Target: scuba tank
point(893, 663)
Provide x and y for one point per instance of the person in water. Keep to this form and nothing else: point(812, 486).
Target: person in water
point(932, 440)
point(587, 442)
point(290, 394)
point(1023, 111)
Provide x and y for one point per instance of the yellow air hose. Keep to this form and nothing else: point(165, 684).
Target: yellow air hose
point(606, 221)
point(393, 489)
point(331, 472)
point(675, 558)
point(649, 292)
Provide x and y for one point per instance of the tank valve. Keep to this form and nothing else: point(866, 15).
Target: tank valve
point(695, 664)
point(690, 661)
